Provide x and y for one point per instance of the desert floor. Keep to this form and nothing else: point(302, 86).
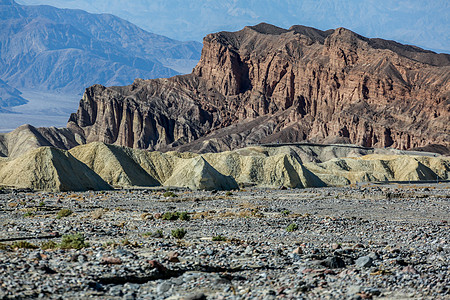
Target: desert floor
point(358, 242)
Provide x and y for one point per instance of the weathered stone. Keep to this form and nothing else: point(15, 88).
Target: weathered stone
point(364, 262)
point(267, 84)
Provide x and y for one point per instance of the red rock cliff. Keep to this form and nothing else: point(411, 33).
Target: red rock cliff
point(268, 84)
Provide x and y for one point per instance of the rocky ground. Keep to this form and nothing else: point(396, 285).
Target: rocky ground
point(360, 242)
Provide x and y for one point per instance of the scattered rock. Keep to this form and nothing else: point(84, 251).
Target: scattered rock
point(364, 262)
point(333, 262)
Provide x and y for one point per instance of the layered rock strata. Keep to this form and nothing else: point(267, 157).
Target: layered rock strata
point(268, 84)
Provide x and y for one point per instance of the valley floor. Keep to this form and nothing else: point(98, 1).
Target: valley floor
point(44, 109)
point(360, 242)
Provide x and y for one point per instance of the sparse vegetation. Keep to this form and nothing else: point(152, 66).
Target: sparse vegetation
point(73, 241)
point(64, 213)
point(219, 238)
point(156, 234)
point(28, 214)
point(285, 212)
point(179, 233)
point(171, 216)
point(42, 203)
point(229, 193)
point(24, 245)
point(184, 216)
point(49, 245)
point(97, 214)
point(170, 194)
point(292, 227)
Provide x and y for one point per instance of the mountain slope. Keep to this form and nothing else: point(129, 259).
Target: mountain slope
point(9, 96)
point(267, 84)
point(47, 48)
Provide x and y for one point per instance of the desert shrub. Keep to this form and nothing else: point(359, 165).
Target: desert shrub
point(24, 245)
point(171, 216)
point(184, 216)
point(170, 194)
point(292, 227)
point(42, 203)
point(155, 234)
point(285, 212)
point(219, 238)
point(97, 214)
point(73, 241)
point(64, 213)
point(49, 245)
point(179, 233)
point(28, 214)
point(228, 193)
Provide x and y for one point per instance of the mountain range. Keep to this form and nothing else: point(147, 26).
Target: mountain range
point(66, 50)
point(416, 22)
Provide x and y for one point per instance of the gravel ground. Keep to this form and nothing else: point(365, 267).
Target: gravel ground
point(360, 242)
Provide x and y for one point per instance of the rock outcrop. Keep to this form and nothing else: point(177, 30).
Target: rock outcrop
point(266, 84)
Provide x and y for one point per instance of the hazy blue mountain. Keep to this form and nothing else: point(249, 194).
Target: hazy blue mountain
point(418, 22)
point(48, 48)
point(9, 96)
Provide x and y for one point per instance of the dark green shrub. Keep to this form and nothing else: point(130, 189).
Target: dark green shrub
point(73, 241)
point(292, 227)
point(179, 233)
point(170, 194)
point(170, 216)
point(286, 212)
point(184, 216)
point(219, 238)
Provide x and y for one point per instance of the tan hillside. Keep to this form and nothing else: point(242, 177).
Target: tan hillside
point(197, 173)
point(98, 165)
point(49, 169)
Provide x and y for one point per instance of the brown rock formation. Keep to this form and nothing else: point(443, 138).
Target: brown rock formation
point(267, 84)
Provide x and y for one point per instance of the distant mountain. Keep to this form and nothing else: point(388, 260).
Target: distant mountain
point(46, 48)
point(9, 96)
point(417, 22)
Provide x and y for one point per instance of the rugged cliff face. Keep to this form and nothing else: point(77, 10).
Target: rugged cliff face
point(267, 84)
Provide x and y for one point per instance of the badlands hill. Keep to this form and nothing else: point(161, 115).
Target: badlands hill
point(48, 48)
point(267, 84)
point(98, 166)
